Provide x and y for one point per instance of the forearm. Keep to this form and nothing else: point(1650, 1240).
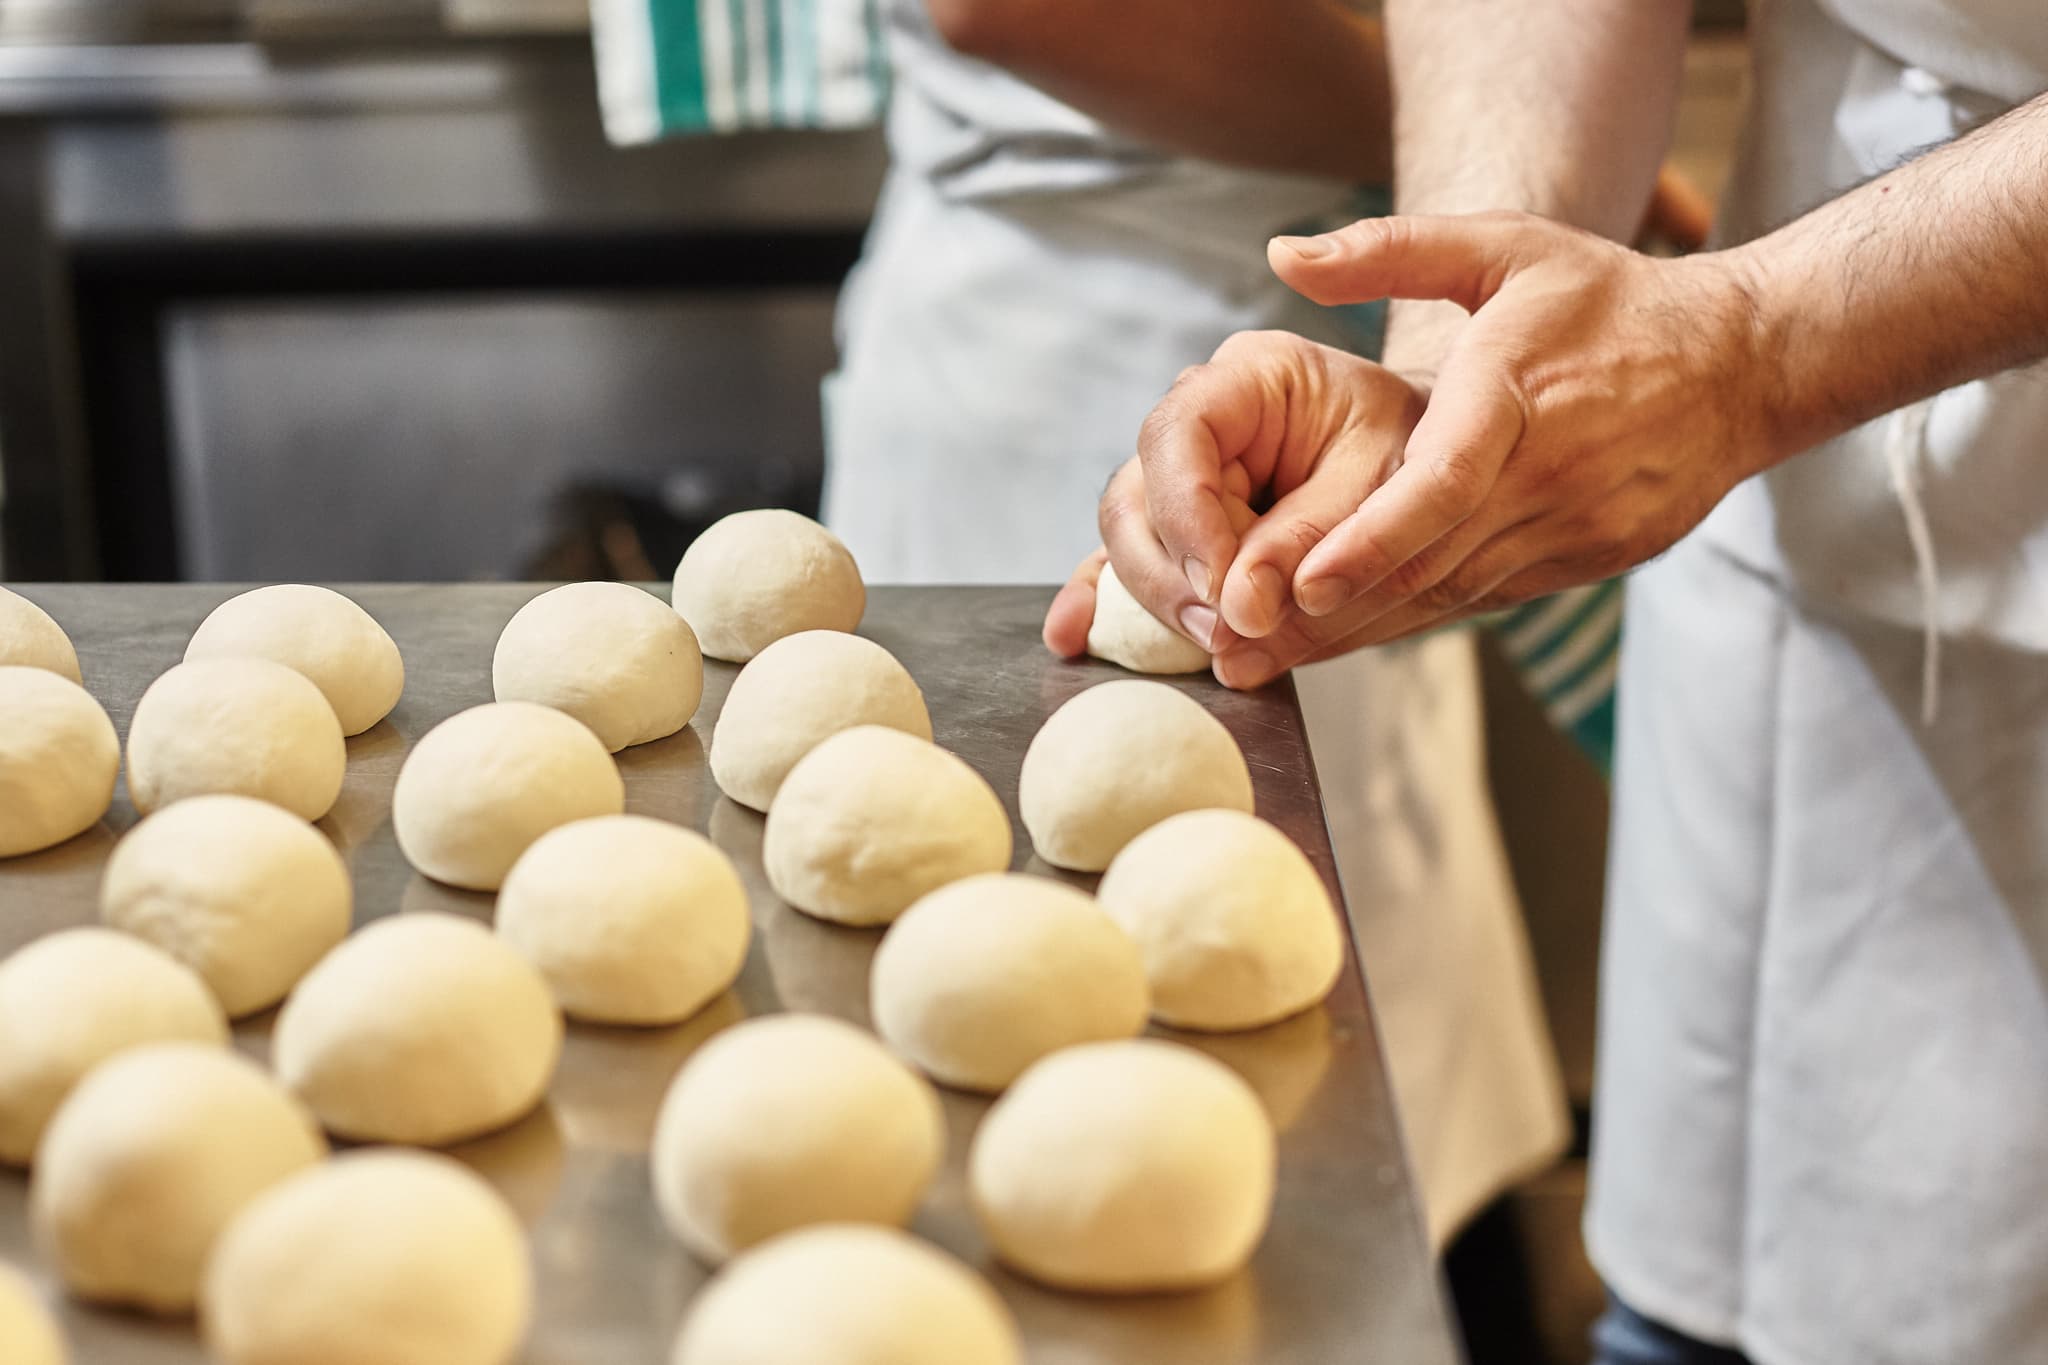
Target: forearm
point(1924, 278)
point(1558, 107)
point(1288, 85)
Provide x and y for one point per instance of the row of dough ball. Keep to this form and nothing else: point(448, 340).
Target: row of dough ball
point(232, 719)
point(180, 1174)
point(225, 720)
point(1127, 1166)
point(272, 682)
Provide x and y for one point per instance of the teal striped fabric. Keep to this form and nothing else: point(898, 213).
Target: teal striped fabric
point(1567, 650)
point(672, 67)
point(675, 67)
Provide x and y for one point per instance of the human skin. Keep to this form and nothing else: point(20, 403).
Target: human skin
point(1592, 408)
point(1280, 85)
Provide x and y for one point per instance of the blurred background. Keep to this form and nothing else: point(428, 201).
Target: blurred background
point(346, 290)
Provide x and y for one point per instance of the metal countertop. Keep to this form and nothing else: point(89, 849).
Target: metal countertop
point(1343, 1275)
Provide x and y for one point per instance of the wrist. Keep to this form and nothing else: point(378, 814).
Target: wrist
point(1757, 308)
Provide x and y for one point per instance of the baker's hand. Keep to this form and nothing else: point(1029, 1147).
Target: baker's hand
point(1592, 410)
point(1072, 611)
point(1302, 430)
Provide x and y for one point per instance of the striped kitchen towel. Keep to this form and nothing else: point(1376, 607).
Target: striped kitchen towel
point(668, 67)
point(1567, 649)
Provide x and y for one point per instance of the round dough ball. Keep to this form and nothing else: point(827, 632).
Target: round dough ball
point(872, 819)
point(482, 785)
point(423, 1028)
point(865, 1295)
point(631, 920)
point(798, 693)
point(1115, 761)
point(782, 1122)
point(148, 1160)
point(609, 654)
point(754, 577)
point(31, 638)
point(401, 1258)
point(59, 757)
point(1124, 633)
point(1237, 929)
point(1131, 1167)
point(69, 1001)
point(982, 978)
point(247, 726)
point(247, 895)
point(28, 1334)
point(316, 632)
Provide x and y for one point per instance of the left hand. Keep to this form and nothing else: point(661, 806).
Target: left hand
point(1592, 410)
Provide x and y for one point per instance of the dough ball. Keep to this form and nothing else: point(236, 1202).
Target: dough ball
point(1237, 929)
point(787, 1121)
point(982, 978)
point(872, 819)
point(609, 654)
point(59, 757)
point(397, 1258)
point(316, 632)
point(423, 1028)
point(485, 783)
point(247, 726)
point(1131, 1167)
point(31, 638)
point(28, 1334)
point(1115, 761)
point(69, 1001)
point(148, 1160)
point(848, 1294)
point(1125, 633)
point(247, 895)
point(754, 577)
point(798, 693)
point(631, 920)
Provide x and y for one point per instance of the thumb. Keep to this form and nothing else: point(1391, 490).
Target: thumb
point(1465, 259)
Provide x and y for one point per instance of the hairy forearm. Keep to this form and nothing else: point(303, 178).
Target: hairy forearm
point(1557, 107)
point(1288, 85)
point(1924, 278)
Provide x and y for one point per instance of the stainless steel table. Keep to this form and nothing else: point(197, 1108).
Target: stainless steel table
point(1343, 1276)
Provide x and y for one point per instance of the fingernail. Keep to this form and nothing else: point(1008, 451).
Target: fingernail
point(1198, 576)
point(1308, 248)
point(1271, 591)
point(1199, 622)
point(1324, 596)
point(1244, 667)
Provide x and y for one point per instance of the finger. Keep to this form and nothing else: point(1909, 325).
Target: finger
point(1257, 588)
point(1073, 609)
point(1237, 483)
point(1473, 587)
point(1450, 465)
point(1464, 258)
point(1194, 434)
point(1145, 567)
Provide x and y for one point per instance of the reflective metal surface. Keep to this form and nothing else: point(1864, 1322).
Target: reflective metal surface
point(1343, 1275)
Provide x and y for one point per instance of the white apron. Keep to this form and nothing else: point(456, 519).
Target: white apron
point(1821, 1126)
point(1030, 287)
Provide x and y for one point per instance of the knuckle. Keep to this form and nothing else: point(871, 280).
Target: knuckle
point(1454, 483)
point(1167, 416)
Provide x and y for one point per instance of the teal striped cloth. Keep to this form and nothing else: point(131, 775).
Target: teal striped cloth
point(675, 67)
point(1567, 650)
point(669, 67)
